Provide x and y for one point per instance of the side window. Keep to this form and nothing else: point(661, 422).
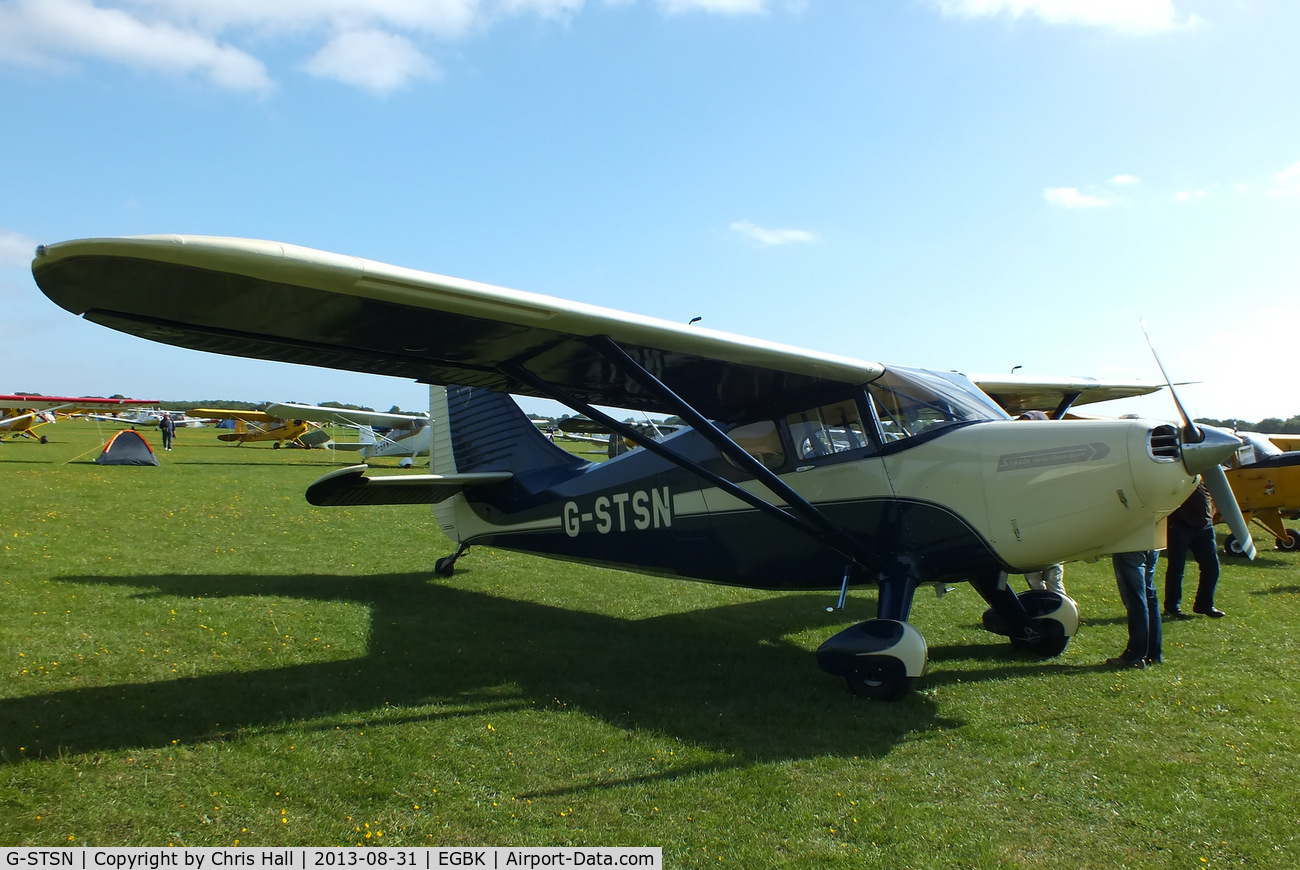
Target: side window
point(826, 430)
point(761, 441)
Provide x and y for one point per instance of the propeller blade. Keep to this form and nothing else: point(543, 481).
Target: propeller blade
point(1217, 483)
point(1191, 432)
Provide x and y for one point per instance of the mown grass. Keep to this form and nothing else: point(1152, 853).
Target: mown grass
point(191, 654)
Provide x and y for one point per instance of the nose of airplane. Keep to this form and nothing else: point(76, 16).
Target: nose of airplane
point(1212, 448)
point(1204, 456)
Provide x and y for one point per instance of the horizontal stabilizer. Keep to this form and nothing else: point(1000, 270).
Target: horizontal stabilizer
point(349, 486)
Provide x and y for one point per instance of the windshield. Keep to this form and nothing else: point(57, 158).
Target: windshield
point(1257, 447)
point(912, 401)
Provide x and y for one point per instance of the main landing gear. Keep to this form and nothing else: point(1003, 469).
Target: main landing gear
point(1288, 544)
point(881, 658)
point(1038, 622)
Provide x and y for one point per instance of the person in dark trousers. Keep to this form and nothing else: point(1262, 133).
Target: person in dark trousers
point(1191, 528)
point(1135, 574)
point(167, 426)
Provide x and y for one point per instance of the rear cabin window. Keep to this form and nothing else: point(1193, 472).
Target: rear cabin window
point(761, 441)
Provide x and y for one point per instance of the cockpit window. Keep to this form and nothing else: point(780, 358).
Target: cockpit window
point(911, 401)
point(827, 430)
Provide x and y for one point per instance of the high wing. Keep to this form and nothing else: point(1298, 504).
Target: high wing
point(15, 409)
point(1285, 442)
point(1054, 396)
point(275, 301)
point(68, 404)
point(246, 416)
point(344, 416)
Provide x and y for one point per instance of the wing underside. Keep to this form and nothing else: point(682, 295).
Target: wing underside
point(1055, 395)
point(280, 302)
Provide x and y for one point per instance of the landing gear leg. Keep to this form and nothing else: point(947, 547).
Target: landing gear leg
point(881, 657)
point(1037, 621)
point(446, 566)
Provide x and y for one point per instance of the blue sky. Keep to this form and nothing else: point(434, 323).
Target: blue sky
point(954, 184)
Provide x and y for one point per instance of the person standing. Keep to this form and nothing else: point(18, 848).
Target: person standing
point(1135, 574)
point(1051, 578)
point(1191, 528)
point(167, 426)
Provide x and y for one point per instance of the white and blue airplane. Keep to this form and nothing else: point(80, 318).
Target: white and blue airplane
point(798, 470)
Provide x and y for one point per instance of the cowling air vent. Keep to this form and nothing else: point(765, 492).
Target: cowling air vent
point(1163, 443)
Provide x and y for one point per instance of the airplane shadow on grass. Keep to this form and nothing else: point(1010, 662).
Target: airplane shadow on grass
point(723, 677)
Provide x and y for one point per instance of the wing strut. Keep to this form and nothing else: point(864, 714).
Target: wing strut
point(1068, 400)
point(803, 515)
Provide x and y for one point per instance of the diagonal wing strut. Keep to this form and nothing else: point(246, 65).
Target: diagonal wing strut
point(802, 515)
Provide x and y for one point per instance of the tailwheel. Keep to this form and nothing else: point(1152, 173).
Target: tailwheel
point(446, 566)
point(878, 658)
point(1291, 542)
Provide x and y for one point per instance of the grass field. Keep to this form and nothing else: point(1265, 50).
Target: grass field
point(192, 655)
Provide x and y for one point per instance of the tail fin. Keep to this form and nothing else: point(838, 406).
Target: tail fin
point(366, 435)
point(480, 430)
point(475, 431)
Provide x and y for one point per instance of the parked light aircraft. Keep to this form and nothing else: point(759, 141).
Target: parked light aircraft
point(1265, 481)
point(150, 417)
point(404, 435)
point(20, 414)
point(253, 426)
point(798, 470)
point(585, 429)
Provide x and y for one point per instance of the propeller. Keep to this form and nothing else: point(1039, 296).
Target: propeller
point(1204, 448)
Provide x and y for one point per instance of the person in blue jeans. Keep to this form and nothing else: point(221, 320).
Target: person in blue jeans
point(1191, 530)
point(1135, 573)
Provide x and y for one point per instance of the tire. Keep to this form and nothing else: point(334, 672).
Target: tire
point(1291, 542)
point(444, 567)
point(1231, 547)
point(1051, 642)
point(884, 679)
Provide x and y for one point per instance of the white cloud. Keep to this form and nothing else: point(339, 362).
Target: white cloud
point(376, 45)
point(772, 237)
point(1288, 182)
point(1124, 179)
point(371, 59)
point(16, 249)
point(1071, 197)
point(725, 7)
point(54, 32)
point(1124, 15)
point(1189, 195)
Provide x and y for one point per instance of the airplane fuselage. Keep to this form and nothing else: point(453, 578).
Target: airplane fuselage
point(979, 497)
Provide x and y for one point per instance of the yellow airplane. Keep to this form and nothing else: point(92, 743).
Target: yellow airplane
point(253, 426)
point(20, 414)
point(1266, 483)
